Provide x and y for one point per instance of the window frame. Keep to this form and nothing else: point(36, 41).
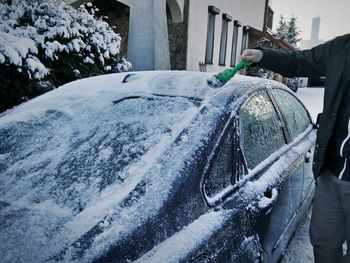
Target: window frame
point(226, 19)
point(245, 38)
point(246, 175)
point(230, 126)
point(215, 153)
point(236, 25)
point(209, 50)
point(286, 127)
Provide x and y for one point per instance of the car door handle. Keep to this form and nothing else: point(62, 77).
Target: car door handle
point(308, 156)
point(267, 201)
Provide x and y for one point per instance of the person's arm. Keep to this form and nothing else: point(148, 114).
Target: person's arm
point(305, 63)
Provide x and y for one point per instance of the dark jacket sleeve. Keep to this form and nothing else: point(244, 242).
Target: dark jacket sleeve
point(306, 63)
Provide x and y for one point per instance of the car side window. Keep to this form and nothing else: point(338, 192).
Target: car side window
point(220, 170)
point(293, 112)
point(261, 129)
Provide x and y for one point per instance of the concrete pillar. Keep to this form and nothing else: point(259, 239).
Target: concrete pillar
point(148, 45)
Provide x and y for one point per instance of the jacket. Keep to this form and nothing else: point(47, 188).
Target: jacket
point(332, 60)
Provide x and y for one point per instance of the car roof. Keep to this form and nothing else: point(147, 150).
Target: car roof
point(71, 156)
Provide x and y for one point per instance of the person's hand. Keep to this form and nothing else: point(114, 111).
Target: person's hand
point(252, 55)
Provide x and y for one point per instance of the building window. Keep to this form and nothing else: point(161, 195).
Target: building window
point(236, 26)
point(212, 12)
point(223, 43)
point(245, 38)
point(269, 17)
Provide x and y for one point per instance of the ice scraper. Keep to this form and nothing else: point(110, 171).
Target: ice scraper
point(221, 78)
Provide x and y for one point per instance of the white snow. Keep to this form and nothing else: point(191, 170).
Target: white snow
point(14, 48)
point(104, 153)
point(179, 245)
point(300, 248)
point(123, 66)
point(312, 99)
point(36, 68)
point(265, 201)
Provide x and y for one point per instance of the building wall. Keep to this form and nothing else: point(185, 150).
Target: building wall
point(249, 13)
point(187, 23)
point(143, 26)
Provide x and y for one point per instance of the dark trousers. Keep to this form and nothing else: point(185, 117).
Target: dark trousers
point(330, 219)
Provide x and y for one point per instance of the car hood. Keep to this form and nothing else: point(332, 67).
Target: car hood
point(70, 158)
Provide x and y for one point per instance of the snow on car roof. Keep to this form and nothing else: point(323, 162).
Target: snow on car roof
point(70, 156)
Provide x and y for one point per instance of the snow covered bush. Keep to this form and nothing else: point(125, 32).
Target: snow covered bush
point(123, 66)
point(45, 44)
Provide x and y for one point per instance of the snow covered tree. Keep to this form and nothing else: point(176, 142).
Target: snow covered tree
point(293, 32)
point(290, 33)
point(45, 44)
point(288, 30)
point(282, 28)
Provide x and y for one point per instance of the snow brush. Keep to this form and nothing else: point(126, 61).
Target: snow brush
point(221, 78)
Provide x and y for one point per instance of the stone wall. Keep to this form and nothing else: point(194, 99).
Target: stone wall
point(178, 40)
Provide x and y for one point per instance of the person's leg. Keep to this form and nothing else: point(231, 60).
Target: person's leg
point(327, 221)
point(345, 201)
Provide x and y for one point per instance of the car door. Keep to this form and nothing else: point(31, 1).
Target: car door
point(264, 135)
point(297, 121)
point(249, 145)
point(278, 225)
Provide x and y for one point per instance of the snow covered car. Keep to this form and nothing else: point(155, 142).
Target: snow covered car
point(154, 167)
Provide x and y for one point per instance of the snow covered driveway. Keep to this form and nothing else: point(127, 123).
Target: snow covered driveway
point(300, 249)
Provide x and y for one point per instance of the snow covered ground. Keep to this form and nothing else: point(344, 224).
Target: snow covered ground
point(300, 249)
point(312, 99)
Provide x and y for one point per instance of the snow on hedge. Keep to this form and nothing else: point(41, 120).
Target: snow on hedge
point(27, 29)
